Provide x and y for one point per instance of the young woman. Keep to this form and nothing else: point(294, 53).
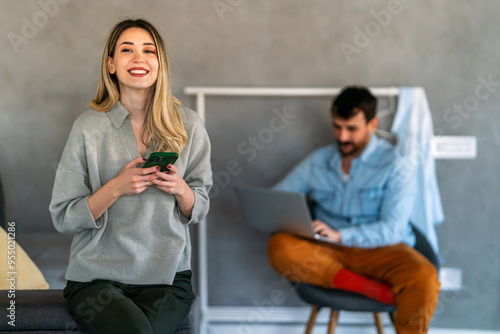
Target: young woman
point(129, 269)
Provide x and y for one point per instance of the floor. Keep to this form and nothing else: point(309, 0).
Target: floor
point(319, 329)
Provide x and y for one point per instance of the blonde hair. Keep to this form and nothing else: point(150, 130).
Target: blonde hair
point(163, 121)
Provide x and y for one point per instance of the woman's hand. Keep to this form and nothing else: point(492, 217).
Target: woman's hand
point(171, 183)
point(133, 180)
point(326, 231)
point(130, 181)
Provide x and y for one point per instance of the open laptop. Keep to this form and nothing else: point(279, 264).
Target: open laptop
point(272, 211)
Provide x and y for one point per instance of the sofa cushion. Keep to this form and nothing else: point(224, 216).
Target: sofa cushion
point(2, 206)
point(27, 276)
point(37, 310)
point(45, 311)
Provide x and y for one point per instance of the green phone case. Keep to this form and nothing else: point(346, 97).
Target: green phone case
point(161, 159)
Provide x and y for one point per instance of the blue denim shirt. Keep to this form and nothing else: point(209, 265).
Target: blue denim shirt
point(372, 208)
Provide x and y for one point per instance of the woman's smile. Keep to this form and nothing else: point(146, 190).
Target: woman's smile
point(138, 71)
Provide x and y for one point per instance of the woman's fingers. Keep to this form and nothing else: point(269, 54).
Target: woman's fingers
point(166, 176)
point(150, 178)
point(172, 169)
point(135, 162)
point(168, 181)
point(163, 183)
point(148, 170)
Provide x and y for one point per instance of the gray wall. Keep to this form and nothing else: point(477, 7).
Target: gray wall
point(444, 46)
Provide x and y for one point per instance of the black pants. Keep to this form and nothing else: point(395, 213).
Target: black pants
point(103, 306)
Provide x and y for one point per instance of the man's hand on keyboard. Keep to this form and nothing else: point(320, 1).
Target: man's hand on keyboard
point(323, 229)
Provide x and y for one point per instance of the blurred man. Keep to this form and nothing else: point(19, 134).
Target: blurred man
point(363, 194)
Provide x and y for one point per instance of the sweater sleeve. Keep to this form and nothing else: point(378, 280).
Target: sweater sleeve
point(69, 206)
point(198, 174)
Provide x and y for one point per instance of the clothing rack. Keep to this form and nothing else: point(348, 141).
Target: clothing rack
point(211, 313)
point(201, 92)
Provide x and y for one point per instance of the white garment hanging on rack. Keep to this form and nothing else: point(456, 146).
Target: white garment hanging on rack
point(413, 126)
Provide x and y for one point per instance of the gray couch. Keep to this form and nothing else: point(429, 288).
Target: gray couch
point(44, 311)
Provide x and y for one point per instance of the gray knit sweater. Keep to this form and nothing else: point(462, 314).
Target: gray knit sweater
point(140, 239)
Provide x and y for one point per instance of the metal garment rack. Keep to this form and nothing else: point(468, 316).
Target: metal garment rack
point(201, 93)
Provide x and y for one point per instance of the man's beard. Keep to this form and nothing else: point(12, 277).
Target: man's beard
point(349, 149)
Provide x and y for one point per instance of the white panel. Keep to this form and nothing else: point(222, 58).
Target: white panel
point(454, 147)
point(450, 278)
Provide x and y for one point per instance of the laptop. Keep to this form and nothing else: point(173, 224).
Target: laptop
point(271, 211)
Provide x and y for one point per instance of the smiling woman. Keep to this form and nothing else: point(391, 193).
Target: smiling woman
point(137, 45)
point(131, 239)
point(134, 63)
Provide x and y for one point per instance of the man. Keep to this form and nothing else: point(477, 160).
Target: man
point(363, 193)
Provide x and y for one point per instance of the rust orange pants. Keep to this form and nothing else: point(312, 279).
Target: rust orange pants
point(412, 278)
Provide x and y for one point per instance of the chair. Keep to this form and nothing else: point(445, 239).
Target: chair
point(338, 300)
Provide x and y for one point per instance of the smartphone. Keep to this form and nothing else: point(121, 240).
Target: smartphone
point(161, 159)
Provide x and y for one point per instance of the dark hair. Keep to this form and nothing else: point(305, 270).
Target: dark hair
point(352, 98)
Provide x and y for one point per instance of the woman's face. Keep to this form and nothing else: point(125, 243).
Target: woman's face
point(135, 61)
